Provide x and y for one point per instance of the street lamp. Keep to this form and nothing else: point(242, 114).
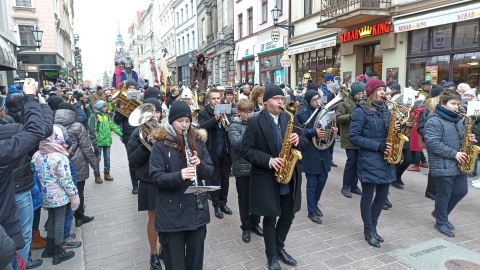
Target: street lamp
point(221, 37)
point(275, 15)
point(37, 37)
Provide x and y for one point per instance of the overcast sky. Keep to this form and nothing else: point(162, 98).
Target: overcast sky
point(96, 23)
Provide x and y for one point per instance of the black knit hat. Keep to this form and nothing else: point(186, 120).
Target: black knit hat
point(179, 109)
point(131, 83)
point(154, 102)
point(310, 94)
point(272, 90)
point(436, 90)
point(152, 92)
point(312, 86)
point(66, 106)
point(54, 102)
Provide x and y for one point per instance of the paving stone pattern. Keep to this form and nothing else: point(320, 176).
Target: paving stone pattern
point(117, 238)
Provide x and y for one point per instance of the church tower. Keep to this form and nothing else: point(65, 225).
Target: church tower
point(119, 46)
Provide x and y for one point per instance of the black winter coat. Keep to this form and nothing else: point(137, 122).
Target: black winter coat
point(12, 149)
point(138, 156)
point(258, 148)
point(122, 122)
point(175, 210)
point(241, 167)
point(22, 172)
point(207, 121)
point(82, 153)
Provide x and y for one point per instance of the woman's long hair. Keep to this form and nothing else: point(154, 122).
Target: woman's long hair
point(256, 92)
point(192, 142)
point(432, 103)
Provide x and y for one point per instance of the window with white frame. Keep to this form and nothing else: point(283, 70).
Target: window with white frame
point(26, 35)
point(23, 3)
point(178, 20)
point(191, 6)
point(193, 41)
point(183, 45)
point(308, 7)
point(181, 12)
point(186, 11)
point(225, 13)
point(188, 43)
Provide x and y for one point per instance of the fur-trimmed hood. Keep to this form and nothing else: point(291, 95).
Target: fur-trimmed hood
point(160, 133)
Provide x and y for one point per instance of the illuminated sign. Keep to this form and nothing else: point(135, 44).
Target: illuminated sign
point(365, 31)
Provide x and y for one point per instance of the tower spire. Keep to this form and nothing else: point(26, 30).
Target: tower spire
point(119, 42)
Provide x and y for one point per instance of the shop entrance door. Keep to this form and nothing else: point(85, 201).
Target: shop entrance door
point(474, 78)
point(372, 59)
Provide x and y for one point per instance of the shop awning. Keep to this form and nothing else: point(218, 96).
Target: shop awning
point(406, 23)
point(7, 57)
point(312, 46)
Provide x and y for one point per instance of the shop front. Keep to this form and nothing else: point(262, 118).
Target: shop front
point(317, 58)
point(271, 69)
point(443, 45)
point(245, 60)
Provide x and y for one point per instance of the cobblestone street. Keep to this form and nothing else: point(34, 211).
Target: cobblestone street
point(117, 238)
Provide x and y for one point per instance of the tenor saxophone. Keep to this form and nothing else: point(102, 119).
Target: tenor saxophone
point(468, 148)
point(396, 139)
point(290, 156)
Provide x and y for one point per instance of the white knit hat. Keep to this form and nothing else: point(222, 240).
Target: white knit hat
point(186, 93)
point(470, 92)
point(463, 87)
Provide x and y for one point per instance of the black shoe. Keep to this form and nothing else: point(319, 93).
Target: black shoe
point(333, 164)
point(246, 236)
point(225, 209)
point(395, 184)
point(379, 238)
point(346, 193)
point(443, 229)
point(48, 251)
point(356, 191)
point(371, 239)
point(400, 181)
point(286, 258)
point(257, 230)
point(388, 203)
point(60, 255)
point(79, 221)
point(155, 262)
point(430, 196)
point(314, 217)
point(273, 264)
point(218, 212)
point(319, 212)
point(449, 225)
point(135, 190)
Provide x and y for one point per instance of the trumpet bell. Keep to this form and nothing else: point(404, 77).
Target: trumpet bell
point(141, 114)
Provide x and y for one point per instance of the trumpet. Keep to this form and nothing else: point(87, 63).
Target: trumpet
point(224, 121)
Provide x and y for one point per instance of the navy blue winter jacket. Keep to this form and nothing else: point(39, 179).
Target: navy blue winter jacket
point(369, 129)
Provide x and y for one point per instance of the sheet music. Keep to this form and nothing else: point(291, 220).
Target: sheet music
point(409, 96)
point(326, 119)
point(473, 108)
point(223, 109)
point(333, 86)
point(136, 94)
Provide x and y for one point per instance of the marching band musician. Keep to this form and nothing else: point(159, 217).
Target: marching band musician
point(368, 131)
point(230, 96)
point(218, 148)
point(316, 172)
point(180, 224)
point(186, 97)
point(261, 147)
point(257, 98)
point(138, 157)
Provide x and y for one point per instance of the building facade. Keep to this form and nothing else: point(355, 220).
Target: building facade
point(166, 36)
point(8, 61)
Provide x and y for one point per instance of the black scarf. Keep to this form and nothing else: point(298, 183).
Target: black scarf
point(447, 114)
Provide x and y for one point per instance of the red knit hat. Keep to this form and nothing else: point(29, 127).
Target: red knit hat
point(373, 84)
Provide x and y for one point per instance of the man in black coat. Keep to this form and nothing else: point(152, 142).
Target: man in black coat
point(218, 146)
point(261, 146)
point(13, 149)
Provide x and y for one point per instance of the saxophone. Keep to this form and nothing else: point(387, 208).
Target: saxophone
point(468, 148)
point(396, 139)
point(290, 156)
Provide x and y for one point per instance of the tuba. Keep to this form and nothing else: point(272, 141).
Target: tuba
point(144, 116)
point(322, 144)
point(289, 155)
point(467, 147)
point(396, 139)
point(128, 105)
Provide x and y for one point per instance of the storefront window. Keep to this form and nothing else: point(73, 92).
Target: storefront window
point(320, 58)
point(319, 62)
point(299, 61)
point(271, 70)
point(419, 41)
point(372, 59)
point(306, 60)
point(313, 59)
point(328, 57)
point(442, 65)
point(416, 67)
point(251, 66)
point(466, 68)
point(441, 38)
point(466, 35)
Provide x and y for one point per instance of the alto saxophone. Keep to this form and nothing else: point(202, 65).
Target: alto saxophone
point(468, 148)
point(396, 139)
point(290, 156)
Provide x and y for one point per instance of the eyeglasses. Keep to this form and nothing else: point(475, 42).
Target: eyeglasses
point(278, 98)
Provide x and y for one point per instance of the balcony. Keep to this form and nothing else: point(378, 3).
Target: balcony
point(346, 13)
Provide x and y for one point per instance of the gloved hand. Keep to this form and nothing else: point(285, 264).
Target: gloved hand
point(74, 202)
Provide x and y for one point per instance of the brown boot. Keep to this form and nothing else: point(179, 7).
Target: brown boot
point(98, 179)
point(107, 176)
point(37, 242)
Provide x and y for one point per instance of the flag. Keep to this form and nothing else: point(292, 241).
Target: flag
point(163, 73)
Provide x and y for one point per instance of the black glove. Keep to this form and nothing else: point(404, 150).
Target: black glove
point(382, 147)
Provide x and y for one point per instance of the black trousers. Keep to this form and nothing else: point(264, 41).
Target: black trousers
point(418, 157)
point(431, 186)
point(243, 190)
point(371, 207)
point(81, 188)
point(275, 233)
point(183, 250)
point(220, 177)
point(131, 169)
point(401, 167)
point(36, 219)
point(451, 189)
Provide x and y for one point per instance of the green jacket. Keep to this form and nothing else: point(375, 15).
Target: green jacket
point(100, 126)
point(344, 111)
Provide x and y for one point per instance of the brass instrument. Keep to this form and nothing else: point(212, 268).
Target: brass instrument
point(396, 139)
point(189, 155)
point(413, 118)
point(127, 105)
point(224, 121)
point(144, 116)
point(467, 147)
point(290, 156)
point(322, 144)
point(195, 123)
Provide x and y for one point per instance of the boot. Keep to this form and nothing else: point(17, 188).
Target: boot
point(37, 242)
point(371, 239)
point(98, 179)
point(107, 176)
point(60, 255)
point(48, 251)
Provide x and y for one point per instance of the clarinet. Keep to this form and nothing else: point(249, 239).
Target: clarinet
point(188, 152)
